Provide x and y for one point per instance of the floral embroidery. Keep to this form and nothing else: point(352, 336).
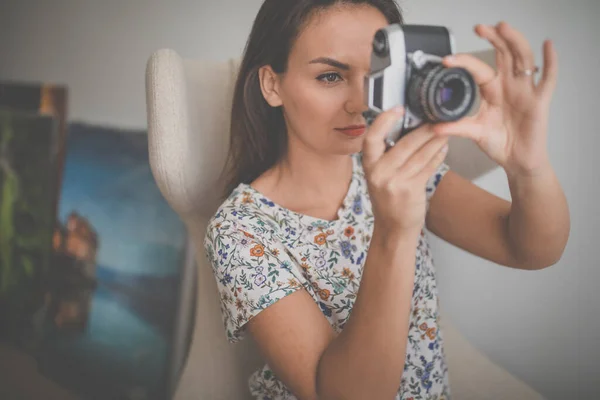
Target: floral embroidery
point(257, 251)
point(321, 239)
point(261, 252)
point(349, 231)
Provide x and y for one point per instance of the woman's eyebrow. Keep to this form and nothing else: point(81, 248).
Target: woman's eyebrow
point(330, 61)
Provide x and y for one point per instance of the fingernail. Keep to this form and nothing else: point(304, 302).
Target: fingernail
point(449, 59)
point(445, 148)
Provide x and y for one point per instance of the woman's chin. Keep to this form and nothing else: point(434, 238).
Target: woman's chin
point(349, 147)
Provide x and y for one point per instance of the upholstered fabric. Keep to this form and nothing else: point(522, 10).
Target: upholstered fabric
point(188, 105)
point(188, 116)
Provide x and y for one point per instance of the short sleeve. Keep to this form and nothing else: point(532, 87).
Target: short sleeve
point(252, 271)
point(435, 180)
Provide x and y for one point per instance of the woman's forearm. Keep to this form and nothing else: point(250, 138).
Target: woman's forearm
point(538, 224)
point(366, 360)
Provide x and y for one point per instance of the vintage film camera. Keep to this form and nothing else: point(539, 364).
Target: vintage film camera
point(406, 70)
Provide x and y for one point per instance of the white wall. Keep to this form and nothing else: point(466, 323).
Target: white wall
point(543, 326)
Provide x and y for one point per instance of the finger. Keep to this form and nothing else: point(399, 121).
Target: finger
point(406, 147)
point(547, 84)
point(504, 60)
point(432, 166)
point(468, 128)
point(520, 48)
point(481, 71)
point(374, 144)
point(483, 74)
point(421, 159)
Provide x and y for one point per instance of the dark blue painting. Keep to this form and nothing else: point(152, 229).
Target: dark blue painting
point(113, 289)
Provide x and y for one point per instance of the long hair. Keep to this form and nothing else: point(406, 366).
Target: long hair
point(258, 134)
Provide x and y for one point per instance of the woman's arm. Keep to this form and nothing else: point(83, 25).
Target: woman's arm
point(366, 360)
point(538, 223)
point(530, 233)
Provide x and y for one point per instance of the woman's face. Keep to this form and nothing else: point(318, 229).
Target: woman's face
point(322, 91)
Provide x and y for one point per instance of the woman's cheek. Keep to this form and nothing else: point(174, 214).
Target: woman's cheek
point(326, 102)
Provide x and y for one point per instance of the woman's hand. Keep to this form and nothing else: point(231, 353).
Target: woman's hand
point(397, 178)
point(512, 123)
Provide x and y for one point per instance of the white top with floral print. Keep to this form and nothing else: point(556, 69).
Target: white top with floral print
point(260, 252)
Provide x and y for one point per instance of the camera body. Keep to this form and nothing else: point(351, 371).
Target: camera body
point(406, 70)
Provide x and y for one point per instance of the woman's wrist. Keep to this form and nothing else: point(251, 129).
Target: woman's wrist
point(394, 240)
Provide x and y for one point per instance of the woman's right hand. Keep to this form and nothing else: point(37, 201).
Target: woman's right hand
point(397, 178)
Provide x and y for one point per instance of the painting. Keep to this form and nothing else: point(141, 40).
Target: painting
point(32, 137)
point(113, 284)
point(27, 195)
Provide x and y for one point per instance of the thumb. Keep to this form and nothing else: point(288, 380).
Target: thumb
point(374, 143)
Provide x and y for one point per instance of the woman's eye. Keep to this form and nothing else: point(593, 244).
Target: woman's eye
point(329, 77)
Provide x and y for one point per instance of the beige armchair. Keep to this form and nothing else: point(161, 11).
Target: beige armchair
point(188, 104)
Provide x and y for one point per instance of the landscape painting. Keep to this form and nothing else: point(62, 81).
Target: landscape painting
point(113, 285)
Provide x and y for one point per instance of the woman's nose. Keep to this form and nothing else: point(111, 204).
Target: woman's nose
point(356, 104)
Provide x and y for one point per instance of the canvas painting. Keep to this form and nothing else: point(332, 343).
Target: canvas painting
point(28, 185)
point(113, 286)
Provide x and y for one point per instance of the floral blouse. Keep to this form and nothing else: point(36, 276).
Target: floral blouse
point(261, 252)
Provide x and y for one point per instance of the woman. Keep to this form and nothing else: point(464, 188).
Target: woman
point(319, 249)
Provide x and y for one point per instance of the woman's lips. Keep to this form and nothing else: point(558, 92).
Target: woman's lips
point(354, 130)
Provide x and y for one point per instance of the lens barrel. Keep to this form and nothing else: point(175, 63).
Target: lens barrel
point(440, 94)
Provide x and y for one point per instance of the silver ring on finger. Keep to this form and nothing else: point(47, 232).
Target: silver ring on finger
point(527, 72)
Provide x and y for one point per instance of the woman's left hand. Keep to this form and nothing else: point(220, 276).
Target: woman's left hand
point(511, 125)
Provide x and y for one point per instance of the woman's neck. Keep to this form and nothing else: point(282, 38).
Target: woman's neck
point(307, 182)
point(314, 175)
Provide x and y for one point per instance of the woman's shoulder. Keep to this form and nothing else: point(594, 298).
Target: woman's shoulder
point(239, 213)
point(251, 266)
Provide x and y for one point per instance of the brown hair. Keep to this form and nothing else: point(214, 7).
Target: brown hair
point(258, 135)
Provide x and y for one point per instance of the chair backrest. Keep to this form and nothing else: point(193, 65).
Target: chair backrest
point(188, 109)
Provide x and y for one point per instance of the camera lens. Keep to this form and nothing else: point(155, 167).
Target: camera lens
point(441, 94)
point(451, 95)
